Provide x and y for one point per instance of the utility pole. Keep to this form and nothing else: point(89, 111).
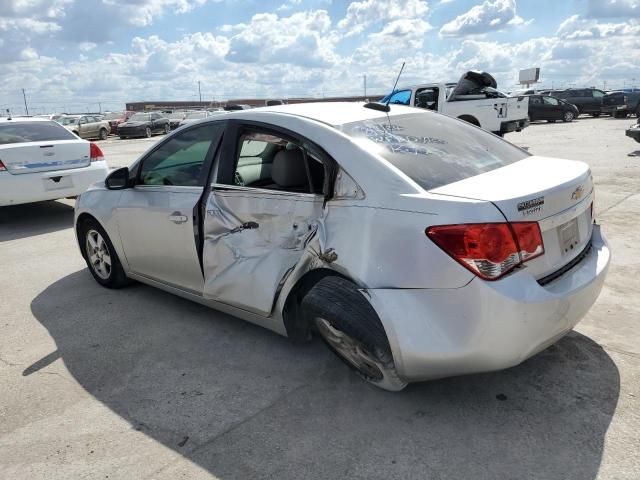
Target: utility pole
point(99, 107)
point(24, 96)
point(365, 85)
point(200, 93)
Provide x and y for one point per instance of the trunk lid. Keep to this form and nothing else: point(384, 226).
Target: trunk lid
point(556, 193)
point(45, 156)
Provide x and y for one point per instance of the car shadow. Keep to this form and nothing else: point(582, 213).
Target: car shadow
point(27, 220)
point(242, 402)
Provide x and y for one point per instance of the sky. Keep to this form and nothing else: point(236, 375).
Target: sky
point(86, 55)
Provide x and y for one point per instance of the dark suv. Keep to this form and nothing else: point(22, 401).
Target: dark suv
point(588, 100)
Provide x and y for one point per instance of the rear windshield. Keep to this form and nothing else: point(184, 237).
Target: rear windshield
point(22, 132)
point(432, 149)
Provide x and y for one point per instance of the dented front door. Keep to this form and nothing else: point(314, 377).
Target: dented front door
point(253, 239)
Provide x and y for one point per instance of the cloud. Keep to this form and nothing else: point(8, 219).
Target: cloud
point(613, 8)
point(578, 28)
point(491, 15)
point(360, 15)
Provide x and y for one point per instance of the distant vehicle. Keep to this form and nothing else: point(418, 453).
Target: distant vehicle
point(175, 118)
point(473, 99)
point(86, 126)
point(544, 107)
point(234, 107)
point(144, 125)
point(41, 160)
point(116, 118)
point(621, 103)
point(199, 115)
point(588, 100)
point(634, 132)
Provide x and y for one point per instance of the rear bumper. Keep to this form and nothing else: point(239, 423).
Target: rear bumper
point(486, 326)
point(38, 187)
point(614, 108)
point(513, 125)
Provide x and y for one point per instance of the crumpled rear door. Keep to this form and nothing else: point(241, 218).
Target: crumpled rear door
point(253, 239)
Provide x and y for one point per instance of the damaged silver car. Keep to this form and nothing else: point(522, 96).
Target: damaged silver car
point(415, 245)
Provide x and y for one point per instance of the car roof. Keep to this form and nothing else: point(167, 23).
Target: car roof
point(23, 119)
point(330, 113)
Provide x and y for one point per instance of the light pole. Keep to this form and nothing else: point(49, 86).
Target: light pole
point(200, 93)
point(24, 96)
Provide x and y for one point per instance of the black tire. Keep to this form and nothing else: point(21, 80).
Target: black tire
point(568, 116)
point(620, 115)
point(116, 277)
point(122, 137)
point(470, 119)
point(595, 115)
point(103, 134)
point(336, 302)
point(551, 121)
point(147, 132)
point(167, 129)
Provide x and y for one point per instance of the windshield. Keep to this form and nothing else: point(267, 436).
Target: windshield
point(22, 132)
point(68, 120)
point(139, 117)
point(433, 150)
point(196, 115)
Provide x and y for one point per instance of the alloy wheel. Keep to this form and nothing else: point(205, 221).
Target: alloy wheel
point(568, 116)
point(99, 255)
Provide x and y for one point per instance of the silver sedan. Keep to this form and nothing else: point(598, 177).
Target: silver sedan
point(417, 246)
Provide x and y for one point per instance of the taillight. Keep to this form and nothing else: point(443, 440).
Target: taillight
point(489, 250)
point(95, 153)
point(2, 167)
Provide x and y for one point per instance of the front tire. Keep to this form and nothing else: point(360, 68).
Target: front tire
point(147, 132)
point(101, 257)
point(595, 115)
point(349, 325)
point(167, 129)
point(103, 134)
point(568, 117)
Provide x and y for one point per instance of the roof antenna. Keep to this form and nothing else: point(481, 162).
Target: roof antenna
point(385, 107)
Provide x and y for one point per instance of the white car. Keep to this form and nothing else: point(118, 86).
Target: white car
point(42, 160)
point(416, 245)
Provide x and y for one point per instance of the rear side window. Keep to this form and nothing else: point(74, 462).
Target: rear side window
point(23, 132)
point(433, 150)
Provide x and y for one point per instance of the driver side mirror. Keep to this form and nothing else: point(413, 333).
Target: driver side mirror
point(118, 179)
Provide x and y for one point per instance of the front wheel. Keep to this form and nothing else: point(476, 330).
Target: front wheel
point(350, 327)
point(103, 134)
point(551, 121)
point(101, 257)
point(568, 116)
point(167, 129)
point(147, 132)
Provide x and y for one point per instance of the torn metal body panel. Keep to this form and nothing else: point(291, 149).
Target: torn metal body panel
point(245, 267)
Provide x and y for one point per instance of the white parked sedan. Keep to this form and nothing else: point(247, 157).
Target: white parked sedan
point(416, 245)
point(41, 160)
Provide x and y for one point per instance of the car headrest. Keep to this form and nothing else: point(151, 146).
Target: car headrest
point(288, 169)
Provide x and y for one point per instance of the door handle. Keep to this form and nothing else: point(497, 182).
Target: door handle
point(177, 217)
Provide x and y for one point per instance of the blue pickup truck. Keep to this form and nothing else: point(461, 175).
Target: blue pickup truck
point(622, 103)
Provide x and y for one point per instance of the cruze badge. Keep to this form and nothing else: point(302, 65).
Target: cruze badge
point(532, 206)
point(577, 193)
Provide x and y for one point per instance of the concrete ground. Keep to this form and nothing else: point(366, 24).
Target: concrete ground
point(137, 383)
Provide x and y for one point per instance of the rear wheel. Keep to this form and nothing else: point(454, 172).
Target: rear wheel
point(568, 117)
point(638, 111)
point(551, 121)
point(620, 115)
point(595, 115)
point(122, 137)
point(101, 257)
point(147, 132)
point(103, 134)
point(349, 325)
point(167, 128)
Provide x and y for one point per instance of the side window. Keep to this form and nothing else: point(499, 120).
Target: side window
point(550, 100)
point(82, 120)
point(179, 161)
point(271, 162)
point(534, 100)
point(402, 97)
point(598, 93)
point(427, 98)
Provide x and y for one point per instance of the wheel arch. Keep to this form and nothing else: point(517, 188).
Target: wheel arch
point(470, 119)
point(82, 218)
point(297, 327)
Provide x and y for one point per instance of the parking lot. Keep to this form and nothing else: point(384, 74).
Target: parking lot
point(137, 383)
